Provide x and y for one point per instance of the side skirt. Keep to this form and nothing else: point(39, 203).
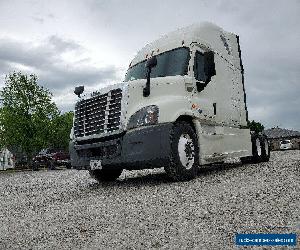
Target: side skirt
point(218, 143)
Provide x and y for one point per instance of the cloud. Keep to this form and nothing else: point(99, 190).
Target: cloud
point(46, 59)
point(38, 19)
point(115, 30)
point(272, 68)
point(269, 36)
point(61, 45)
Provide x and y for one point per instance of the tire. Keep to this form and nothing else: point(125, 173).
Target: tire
point(184, 159)
point(105, 175)
point(265, 148)
point(256, 148)
point(35, 167)
point(51, 165)
point(247, 160)
point(68, 166)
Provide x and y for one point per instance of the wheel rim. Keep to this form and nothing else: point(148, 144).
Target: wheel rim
point(186, 151)
point(258, 147)
point(267, 147)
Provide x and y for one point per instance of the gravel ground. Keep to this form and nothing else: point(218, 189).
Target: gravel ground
point(67, 209)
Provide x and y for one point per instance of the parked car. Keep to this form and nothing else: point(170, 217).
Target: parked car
point(51, 159)
point(61, 158)
point(285, 144)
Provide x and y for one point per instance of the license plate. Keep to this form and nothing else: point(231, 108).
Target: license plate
point(95, 164)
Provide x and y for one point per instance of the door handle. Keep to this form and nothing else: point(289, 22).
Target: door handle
point(215, 108)
point(200, 86)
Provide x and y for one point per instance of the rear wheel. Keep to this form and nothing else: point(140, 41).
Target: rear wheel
point(184, 158)
point(105, 175)
point(265, 149)
point(257, 149)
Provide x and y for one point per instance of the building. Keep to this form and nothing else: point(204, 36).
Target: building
point(6, 159)
point(276, 135)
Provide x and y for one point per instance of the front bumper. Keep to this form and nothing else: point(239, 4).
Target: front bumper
point(146, 147)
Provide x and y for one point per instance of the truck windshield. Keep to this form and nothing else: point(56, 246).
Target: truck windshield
point(170, 63)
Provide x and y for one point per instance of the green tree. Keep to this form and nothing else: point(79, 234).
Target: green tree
point(255, 126)
point(60, 132)
point(26, 114)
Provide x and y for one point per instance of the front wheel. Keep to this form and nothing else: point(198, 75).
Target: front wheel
point(105, 175)
point(184, 159)
point(265, 149)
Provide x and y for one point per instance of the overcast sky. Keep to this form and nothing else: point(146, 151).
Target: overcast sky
point(90, 42)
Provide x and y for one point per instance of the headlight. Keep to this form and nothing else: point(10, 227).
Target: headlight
point(145, 116)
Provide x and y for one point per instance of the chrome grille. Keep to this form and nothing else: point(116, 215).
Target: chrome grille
point(99, 114)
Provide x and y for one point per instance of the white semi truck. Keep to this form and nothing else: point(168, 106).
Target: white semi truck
point(182, 105)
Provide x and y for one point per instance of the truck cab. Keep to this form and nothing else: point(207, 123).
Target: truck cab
point(181, 105)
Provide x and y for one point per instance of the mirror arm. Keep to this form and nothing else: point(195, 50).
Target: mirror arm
point(146, 90)
point(152, 62)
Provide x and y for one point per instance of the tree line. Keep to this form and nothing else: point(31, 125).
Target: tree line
point(29, 120)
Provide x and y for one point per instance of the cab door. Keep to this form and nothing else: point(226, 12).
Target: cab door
point(202, 96)
point(205, 106)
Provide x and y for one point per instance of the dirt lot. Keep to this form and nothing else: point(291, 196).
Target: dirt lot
point(66, 209)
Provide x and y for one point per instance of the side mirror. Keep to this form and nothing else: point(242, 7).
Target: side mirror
point(151, 62)
point(79, 90)
point(209, 65)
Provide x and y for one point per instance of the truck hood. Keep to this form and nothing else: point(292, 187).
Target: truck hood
point(105, 89)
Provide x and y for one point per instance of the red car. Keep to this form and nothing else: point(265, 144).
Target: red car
point(49, 159)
